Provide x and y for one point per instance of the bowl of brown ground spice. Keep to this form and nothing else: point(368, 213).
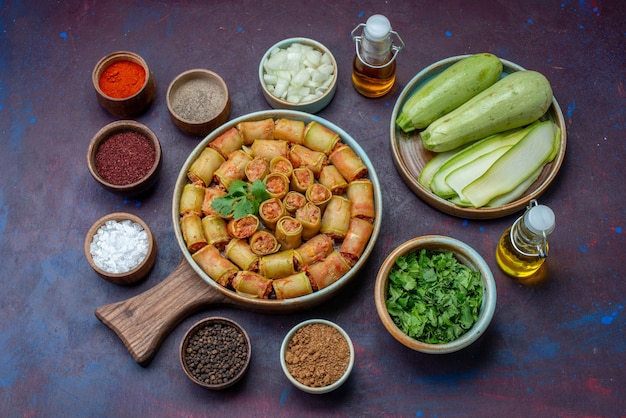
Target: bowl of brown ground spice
point(198, 101)
point(125, 157)
point(317, 356)
point(215, 353)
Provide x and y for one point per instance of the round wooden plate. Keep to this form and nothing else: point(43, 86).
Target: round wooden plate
point(410, 156)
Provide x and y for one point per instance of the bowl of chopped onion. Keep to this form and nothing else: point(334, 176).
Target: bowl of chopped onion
point(435, 294)
point(298, 74)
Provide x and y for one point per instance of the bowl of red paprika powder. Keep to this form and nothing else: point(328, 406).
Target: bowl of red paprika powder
point(124, 84)
point(124, 157)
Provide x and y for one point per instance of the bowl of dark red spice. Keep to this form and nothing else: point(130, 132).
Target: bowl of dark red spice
point(125, 157)
point(215, 353)
point(124, 84)
point(120, 248)
point(198, 101)
point(317, 356)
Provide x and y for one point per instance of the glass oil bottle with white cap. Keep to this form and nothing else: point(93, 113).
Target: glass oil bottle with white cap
point(374, 65)
point(523, 247)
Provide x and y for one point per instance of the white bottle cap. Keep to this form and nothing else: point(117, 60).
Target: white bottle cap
point(377, 28)
point(540, 218)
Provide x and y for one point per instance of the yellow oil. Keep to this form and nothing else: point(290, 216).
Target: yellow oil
point(512, 262)
point(373, 82)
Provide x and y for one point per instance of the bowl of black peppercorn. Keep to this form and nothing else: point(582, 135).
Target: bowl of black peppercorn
point(215, 353)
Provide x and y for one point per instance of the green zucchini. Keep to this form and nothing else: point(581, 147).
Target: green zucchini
point(464, 175)
point(504, 198)
point(457, 200)
point(431, 167)
point(448, 90)
point(515, 100)
point(515, 166)
point(438, 183)
point(517, 192)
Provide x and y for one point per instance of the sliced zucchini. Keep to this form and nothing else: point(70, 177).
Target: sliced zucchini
point(438, 183)
point(515, 166)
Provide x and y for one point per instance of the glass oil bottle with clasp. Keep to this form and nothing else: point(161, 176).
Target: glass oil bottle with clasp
point(523, 248)
point(374, 64)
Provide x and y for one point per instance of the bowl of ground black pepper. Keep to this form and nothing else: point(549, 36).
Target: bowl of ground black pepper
point(125, 157)
point(120, 248)
point(317, 356)
point(198, 101)
point(124, 84)
point(215, 353)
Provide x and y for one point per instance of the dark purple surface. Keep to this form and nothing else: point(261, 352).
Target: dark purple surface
point(553, 349)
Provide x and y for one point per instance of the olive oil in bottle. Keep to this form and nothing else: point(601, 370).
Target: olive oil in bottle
point(374, 65)
point(523, 248)
point(373, 82)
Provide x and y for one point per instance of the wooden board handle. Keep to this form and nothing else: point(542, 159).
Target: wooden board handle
point(143, 321)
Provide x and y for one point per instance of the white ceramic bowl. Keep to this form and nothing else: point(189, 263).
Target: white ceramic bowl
point(310, 389)
point(465, 255)
point(311, 106)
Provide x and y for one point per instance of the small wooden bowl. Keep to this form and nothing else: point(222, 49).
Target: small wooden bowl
point(465, 255)
point(184, 345)
point(126, 107)
point(111, 129)
point(311, 106)
point(130, 277)
point(311, 389)
point(198, 101)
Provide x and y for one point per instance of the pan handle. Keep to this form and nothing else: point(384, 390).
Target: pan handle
point(143, 321)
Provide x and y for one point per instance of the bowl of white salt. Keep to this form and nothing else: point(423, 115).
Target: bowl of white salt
point(120, 248)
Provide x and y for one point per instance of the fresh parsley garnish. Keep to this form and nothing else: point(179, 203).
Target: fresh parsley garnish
point(432, 297)
point(242, 199)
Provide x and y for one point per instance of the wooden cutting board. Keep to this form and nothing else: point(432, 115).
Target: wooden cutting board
point(143, 321)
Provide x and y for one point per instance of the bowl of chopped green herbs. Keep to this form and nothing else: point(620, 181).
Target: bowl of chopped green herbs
point(435, 294)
